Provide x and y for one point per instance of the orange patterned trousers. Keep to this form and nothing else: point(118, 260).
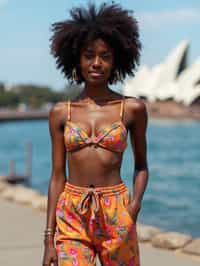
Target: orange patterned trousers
point(94, 221)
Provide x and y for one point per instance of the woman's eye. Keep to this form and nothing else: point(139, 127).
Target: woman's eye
point(106, 56)
point(88, 55)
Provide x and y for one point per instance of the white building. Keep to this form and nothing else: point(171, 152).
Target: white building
point(172, 79)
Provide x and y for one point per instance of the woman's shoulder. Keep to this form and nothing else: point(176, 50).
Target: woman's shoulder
point(135, 103)
point(58, 109)
point(136, 110)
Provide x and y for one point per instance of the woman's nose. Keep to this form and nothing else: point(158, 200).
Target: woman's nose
point(97, 61)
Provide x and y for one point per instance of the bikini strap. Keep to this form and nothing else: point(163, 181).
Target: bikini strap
point(122, 108)
point(68, 110)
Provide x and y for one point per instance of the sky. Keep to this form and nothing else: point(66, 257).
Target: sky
point(25, 32)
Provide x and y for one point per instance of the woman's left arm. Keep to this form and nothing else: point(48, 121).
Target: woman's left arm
point(139, 147)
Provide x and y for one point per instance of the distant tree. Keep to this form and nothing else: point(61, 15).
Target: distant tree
point(9, 99)
point(2, 87)
point(36, 96)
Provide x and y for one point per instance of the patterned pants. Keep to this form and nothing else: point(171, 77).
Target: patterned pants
point(94, 221)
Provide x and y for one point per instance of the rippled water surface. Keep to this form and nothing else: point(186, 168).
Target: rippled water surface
point(172, 198)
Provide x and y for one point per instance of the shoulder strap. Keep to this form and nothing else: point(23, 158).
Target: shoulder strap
point(68, 110)
point(122, 108)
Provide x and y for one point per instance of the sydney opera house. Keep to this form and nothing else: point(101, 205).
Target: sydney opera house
point(171, 80)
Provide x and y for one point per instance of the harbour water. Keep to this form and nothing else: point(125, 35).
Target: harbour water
point(172, 198)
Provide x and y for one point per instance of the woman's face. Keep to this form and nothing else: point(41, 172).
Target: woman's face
point(96, 62)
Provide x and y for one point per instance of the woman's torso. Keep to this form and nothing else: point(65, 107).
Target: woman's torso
point(95, 137)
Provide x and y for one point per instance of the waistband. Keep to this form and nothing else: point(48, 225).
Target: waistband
point(104, 191)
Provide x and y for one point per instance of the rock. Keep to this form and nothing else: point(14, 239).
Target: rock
point(2, 178)
point(40, 203)
point(24, 195)
point(146, 232)
point(3, 185)
point(193, 247)
point(8, 192)
point(171, 240)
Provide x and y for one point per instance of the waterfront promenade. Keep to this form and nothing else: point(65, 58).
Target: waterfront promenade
point(6, 116)
point(158, 109)
point(21, 240)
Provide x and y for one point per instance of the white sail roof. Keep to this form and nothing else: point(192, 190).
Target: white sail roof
point(170, 79)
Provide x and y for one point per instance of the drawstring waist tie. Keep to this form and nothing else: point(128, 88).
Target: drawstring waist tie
point(90, 196)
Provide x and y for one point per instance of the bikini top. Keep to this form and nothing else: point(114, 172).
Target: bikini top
point(113, 137)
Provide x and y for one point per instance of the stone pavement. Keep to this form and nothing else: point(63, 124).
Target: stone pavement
point(21, 240)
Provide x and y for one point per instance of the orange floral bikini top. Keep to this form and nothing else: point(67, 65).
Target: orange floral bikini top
point(113, 137)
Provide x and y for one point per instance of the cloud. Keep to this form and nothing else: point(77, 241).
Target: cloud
point(157, 19)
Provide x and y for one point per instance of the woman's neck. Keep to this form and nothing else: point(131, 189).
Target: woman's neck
point(96, 92)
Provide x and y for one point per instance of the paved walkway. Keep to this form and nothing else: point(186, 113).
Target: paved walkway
point(21, 240)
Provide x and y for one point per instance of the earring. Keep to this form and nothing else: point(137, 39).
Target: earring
point(117, 77)
point(74, 74)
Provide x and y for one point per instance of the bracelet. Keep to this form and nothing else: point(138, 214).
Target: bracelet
point(48, 231)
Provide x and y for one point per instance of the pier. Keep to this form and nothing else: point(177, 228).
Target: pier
point(15, 178)
point(21, 115)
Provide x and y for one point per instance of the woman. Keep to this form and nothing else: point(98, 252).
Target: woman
point(90, 212)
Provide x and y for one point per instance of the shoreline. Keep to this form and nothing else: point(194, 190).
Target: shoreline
point(172, 110)
point(156, 110)
point(176, 242)
point(10, 116)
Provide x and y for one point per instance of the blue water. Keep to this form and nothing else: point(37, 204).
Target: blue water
point(172, 198)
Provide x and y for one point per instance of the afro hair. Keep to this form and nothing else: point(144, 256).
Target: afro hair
point(110, 22)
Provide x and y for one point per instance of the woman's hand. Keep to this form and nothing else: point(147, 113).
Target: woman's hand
point(133, 209)
point(50, 256)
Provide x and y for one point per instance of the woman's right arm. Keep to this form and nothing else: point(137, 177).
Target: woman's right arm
point(57, 180)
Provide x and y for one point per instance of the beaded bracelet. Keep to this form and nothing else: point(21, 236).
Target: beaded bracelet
point(48, 231)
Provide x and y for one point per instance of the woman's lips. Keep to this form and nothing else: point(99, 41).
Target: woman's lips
point(96, 74)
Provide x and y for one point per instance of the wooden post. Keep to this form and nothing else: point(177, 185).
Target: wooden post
point(29, 161)
point(12, 168)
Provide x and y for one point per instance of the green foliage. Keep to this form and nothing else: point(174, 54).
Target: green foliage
point(1, 87)
point(8, 99)
point(33, 96)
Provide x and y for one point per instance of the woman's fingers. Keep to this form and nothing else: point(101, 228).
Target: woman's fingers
point(49, 260)
point(55, 261)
